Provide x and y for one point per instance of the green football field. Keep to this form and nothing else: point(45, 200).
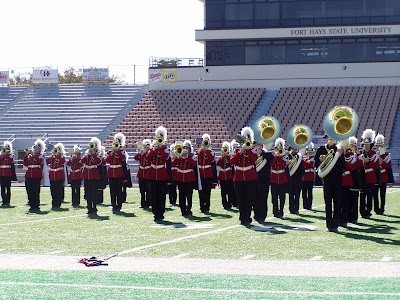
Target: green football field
point(217, 235)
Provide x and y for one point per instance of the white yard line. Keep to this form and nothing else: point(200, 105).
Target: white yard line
point(247, 257)
point(55, 252)
point(204, 290)
point(181, 255)
point(316, 258)
point(192, 236)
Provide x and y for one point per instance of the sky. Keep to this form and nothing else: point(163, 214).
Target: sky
point(89, 33)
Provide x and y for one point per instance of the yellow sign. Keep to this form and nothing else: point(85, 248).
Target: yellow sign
point(169, 76)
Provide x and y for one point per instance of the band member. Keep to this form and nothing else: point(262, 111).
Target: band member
point(349, 208)
point(34, 160)
point(103, 180)
point(184, 164)
point(75, 175)
point(225, 176)
point(245, 178)
point(127, 182)
point(56, 163)
point(279, 178)
point(370, 163)
point(158, 175)
point(263, 168)
point(205, 158)
point(6, 172)
point(143, 173)
point(386, 175)
point(332, 183)
point(115, 174)
point(295, 183)
point(172, 194)
point(90, 174)
point(309, 177)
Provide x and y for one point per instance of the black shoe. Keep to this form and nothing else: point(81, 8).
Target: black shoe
point(344, 225)
point(333, 230)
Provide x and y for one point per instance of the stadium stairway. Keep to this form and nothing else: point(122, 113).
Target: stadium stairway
point(71, 114)
point(395, 141)
point(263, 106)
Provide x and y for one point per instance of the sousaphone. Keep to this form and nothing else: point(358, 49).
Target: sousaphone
point(339, 124)
point(299, 137)
point(266, 130)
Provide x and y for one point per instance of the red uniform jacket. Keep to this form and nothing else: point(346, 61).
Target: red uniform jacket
point(204, 160)
point(158, 158)
point(309, 169)
point(183, 169)
point(225, 171)
point(385, 161)
point(278, 169)
point(370, 167)
point(34, 162)
point(76, 168)
point(351, 164)
point(144, 165)
point(56, 167)
point(90, 163)
point(115, 159)
point(5, 165)
point(244, 165)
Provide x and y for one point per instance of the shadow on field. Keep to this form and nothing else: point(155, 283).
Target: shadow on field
point(7, 206)
point(385, 221)
point(198, 218)
point(392, 216)
point(379, 229)
point(60, 209)
point(315, 217)
point(298, 220)
point(38, 212)
point(378, 240)
point(218, 216)
point(169, 223)
point(125, 214)
point(99, 218)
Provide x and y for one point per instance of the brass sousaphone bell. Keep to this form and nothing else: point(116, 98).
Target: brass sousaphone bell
point(340, 123)
point(266, 129)
point(299, 137)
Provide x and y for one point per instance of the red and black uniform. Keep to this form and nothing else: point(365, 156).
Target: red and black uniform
point(279, 181)
point(385, 176)
point(349, 207)
point(57, 177)
point(143, 175)
point(33, 176)
point(6, 174)
point(369, 170)
point(186, 179)
point(103, 181)
point(308, 182)
point(225, 177)
point(75, 177)
point(205, 159)
point(263, 168)
point(91, 177)
point(115, 175)
point(245, 182)
point(172, 184)
point(158, 179)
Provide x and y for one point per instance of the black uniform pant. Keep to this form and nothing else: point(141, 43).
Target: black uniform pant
point(158, 194)
point(91, 186)
point(205, 194)
point(227, 193)
point(347, 199)
point(5, 182)
point(333, 198)
point(380, 192)
point(144, 193)
point(366, 200)
point(278, 192)
point(295, 185)
point(100, 196)
point(32, 186)
point(57, 192)
point(307, 194)
point(260, 204)
point(246, 191)
point(115, 185)
point(353, 207)
point(172, 194)
point(185, 197)
point(76, 192)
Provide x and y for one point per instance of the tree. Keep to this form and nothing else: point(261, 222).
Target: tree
point(70, 76)
point(21, 79)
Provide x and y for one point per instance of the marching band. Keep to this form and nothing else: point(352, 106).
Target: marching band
point(354, 181)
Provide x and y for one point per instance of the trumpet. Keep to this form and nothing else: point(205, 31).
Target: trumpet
point(247, 144)
point(279, 150)
point(3, 150)
point(54, 151)
point(91, 145)
point(160, 140)
point(71, 151)
point(224, 150)
point(139, 146)
point(116, 145)
point(205, 143)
